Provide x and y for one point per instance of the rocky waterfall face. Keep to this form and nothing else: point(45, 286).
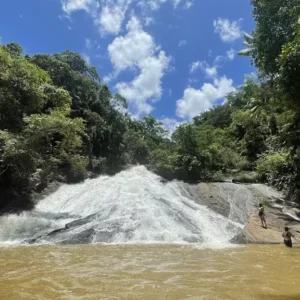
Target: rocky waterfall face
point(136, 206)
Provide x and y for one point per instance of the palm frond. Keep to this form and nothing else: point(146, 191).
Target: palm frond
point(245, 52)
point(248, 38)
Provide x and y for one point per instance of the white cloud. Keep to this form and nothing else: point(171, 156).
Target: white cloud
point(204, 66)
point(112, 16)
point(195, 66)
point(210, 71)
point(170, 124)
point(86, 58)
point(70, 6)
point(127, 51)
point(152, 4)
point(231, 54)
point(148, 21)
point(109, 15)
point(170, 92)
point(137, 50)
point(182, 43)
point(147, 85)
point(228, 31)
point(107, 79)
point(188, 4)
point(196, 101)
point(219, 59)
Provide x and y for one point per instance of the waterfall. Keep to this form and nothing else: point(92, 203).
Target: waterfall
point(134, 206)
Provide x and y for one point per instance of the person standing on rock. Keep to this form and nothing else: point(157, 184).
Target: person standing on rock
point(261, 214)
point(287, 237)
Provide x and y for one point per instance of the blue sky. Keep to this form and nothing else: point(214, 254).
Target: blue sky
point(171, 58)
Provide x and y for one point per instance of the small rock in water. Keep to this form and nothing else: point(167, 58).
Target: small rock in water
point(240, 238)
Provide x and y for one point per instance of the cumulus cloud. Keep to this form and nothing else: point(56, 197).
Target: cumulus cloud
point(204, 66)
point(147, 85)
point(137, 50)
point(170, 125)
point(108, 16)
point(195, 101)
point(228, 31)
point(127, 51)
point(209, 71)
point(112, 16)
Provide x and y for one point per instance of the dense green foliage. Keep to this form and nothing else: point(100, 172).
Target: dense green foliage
point(59, 122)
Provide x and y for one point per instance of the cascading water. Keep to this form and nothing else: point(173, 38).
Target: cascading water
point(134, 206)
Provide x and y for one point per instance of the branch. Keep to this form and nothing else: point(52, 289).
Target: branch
point(4, 170)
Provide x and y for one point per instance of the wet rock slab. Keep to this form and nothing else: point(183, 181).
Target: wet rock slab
point(254, 233)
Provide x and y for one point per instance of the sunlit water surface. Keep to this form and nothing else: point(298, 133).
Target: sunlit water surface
point(149, 272)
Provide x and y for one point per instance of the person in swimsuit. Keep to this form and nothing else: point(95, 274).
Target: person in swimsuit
point(287, 237)
point(261, 214)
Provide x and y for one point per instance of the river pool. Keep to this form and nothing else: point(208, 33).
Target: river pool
point(149, 272)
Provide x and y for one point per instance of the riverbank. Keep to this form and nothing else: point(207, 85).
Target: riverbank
point(277, 218)
point(239, 202)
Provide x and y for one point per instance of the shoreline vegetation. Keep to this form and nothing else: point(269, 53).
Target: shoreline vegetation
point(60, 124)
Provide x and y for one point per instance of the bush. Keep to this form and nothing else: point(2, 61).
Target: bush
point(269, 166)
point(250, 177)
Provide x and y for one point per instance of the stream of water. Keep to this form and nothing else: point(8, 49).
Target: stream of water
point(134, 206)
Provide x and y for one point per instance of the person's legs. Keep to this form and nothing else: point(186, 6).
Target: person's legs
point(288, 243)
point(264, 220)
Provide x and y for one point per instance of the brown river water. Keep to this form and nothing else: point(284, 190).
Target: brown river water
point(149, 272)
